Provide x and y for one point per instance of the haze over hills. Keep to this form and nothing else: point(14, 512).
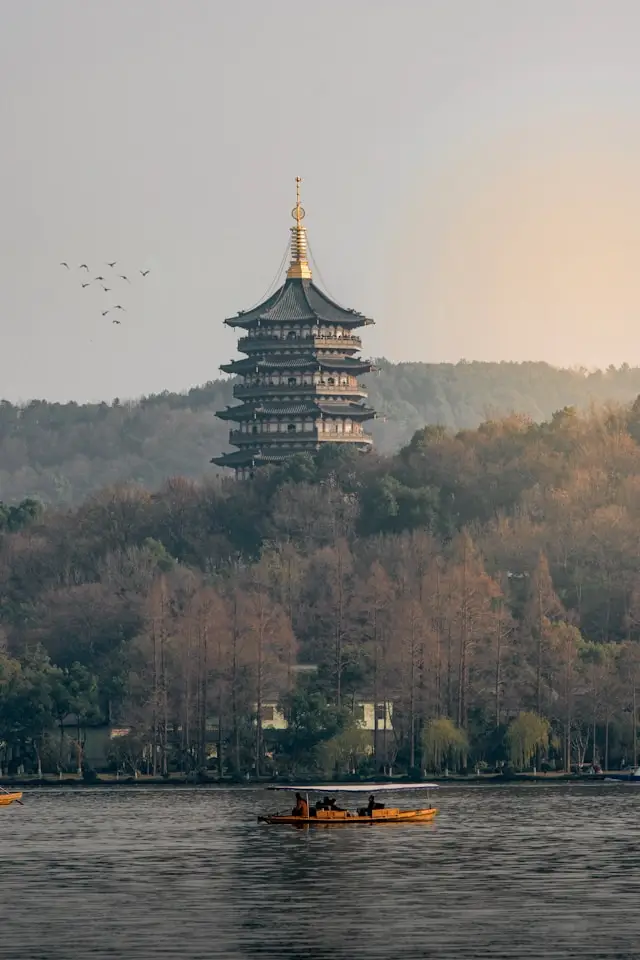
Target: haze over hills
point(62, 453)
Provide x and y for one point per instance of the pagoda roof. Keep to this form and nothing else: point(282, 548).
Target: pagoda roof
point(303, 361)
point(249, 457)
point(249, 411)
point(298, 301)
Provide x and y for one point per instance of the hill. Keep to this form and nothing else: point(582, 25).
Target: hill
point(62, 453)
point(484, 583)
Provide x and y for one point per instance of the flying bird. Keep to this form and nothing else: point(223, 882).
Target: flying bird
point(122, 277)
point(112, 265)
point(118, 307)
point(144, 272)
point(106, 289)
point(64, 264)
point(115, 321)
point(83, 266)
point(104, 313)
point(86, 284)
point(98, 278)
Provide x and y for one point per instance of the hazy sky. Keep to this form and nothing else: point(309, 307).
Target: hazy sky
point(472, 179)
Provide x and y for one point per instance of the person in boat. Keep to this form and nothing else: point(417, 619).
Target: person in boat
point(372, 805)
point(301, 808)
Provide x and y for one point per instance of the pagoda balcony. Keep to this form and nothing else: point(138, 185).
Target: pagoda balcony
point(277, 344)
point(252, 391)
point(238, 438)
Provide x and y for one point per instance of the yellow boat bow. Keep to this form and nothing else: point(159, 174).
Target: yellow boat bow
point(7, 798)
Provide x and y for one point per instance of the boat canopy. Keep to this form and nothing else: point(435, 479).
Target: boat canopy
point(329, 788)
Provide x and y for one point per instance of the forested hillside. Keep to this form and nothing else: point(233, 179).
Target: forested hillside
point(484, 582)
point(61, 453)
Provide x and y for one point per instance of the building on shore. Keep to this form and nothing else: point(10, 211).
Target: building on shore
point(373, 719)
point(298, 381)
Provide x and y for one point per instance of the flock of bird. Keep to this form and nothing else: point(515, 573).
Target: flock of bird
point(103, 280)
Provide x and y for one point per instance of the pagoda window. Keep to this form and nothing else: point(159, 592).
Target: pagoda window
point(291, 428)
point(292, 381)
point(331, 381)
point(292, 335)
point(339, 426)
point(254, 428)
point(339, 331)
point(347, 426)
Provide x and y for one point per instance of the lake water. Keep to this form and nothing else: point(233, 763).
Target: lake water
point(525, 871)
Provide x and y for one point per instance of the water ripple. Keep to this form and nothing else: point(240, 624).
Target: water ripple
point(513, 872)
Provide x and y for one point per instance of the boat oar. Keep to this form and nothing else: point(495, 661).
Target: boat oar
point(16, 800)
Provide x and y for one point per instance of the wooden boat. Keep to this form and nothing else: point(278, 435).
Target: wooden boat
point(377, 816)
point(7, 798)
point(629, 776)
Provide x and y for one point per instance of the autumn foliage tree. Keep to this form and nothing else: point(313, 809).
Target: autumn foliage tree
point(478, 578)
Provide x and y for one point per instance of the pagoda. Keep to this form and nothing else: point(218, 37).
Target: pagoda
point(298, 381)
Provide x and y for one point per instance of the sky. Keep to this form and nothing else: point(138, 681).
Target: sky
point(471, 180)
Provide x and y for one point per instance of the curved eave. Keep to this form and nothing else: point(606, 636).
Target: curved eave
point(308, 408)
point(302, 362)
point(355, 412)
point(248, 458)
point(299, 301)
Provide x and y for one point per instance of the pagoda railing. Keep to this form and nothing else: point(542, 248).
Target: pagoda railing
point(250, 344)
point(246, 391)
point(239, 438)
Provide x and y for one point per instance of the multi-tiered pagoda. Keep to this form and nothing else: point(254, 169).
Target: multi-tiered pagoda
point(298, 382)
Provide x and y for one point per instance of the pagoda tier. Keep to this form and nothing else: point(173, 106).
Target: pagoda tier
point(311, 361)
point(299, 376)
point(301, 302)
point(306, 408)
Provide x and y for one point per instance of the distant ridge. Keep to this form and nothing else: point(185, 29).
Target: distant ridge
point(63, 453)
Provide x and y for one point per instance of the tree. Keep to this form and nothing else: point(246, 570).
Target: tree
point(26, 713)
point(74, 691)
point(443, 745)
point(525, 735)
point(343, 752)
point(471, 593)
point(312, 721)
point(543, 605)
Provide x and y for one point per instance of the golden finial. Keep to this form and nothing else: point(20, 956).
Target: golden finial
point(299, 264)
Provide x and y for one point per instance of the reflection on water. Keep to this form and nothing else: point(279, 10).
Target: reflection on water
point(520, 872)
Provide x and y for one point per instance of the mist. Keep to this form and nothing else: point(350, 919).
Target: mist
point(469, 180)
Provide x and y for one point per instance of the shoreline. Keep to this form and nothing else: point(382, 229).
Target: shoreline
point(144, 781)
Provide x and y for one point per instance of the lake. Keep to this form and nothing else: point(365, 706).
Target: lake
point(505, 871)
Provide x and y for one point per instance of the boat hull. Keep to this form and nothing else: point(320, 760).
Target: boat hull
point(7, 798)
point(343, 819)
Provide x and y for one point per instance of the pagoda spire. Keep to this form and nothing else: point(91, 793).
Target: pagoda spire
point(299, 267)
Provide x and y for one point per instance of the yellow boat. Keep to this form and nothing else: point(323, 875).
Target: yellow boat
point(373, 816)
point(7, 798)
